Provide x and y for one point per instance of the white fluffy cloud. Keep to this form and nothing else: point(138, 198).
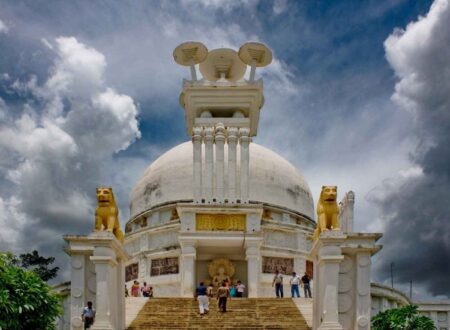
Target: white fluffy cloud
point(62, 143)
point(419, 56)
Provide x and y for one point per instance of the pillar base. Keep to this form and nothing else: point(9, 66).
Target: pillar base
point(102, 326)
point(330, 326)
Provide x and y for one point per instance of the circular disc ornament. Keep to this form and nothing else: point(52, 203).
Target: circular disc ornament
point(255, 53)
point(190, 53)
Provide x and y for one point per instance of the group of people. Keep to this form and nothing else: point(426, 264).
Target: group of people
point(224, 292)
point(295, 282)
point(139, 291)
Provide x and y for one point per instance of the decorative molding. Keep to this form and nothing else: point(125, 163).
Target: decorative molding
point(221, 222)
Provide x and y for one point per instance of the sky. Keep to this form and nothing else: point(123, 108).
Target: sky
point(358, 96)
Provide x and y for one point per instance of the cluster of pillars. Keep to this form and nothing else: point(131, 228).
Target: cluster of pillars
point(210, 176)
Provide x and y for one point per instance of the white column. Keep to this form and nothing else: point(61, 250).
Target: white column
point(104, 266)
point(363, 300)
point(188, 255)
point(77, 289)
point(253, 257)
point(327, 253)
point(244, 141)
point(209, 164)
point(351, 205)
point(120, 293)
point(232, 141)
point(329, 266)
point(220, 141)
point(197, 146)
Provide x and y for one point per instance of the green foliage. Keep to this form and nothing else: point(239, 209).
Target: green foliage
point(404, 318)
point(39, 265)
point(26, 301)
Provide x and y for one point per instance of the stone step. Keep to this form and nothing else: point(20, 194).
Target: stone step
point(242, 313)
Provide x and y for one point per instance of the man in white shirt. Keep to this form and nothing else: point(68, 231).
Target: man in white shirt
point(88, 315)
point(295, 282)
point(240, 288)
point(278, 282)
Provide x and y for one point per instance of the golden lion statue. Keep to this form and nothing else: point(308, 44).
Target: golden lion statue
point(327, 211)
point(106, 213)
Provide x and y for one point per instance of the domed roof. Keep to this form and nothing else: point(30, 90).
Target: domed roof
point(273, 180)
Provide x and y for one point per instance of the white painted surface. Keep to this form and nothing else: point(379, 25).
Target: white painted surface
point(272, 178)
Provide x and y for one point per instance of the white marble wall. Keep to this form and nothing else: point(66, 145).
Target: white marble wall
point(283, 239)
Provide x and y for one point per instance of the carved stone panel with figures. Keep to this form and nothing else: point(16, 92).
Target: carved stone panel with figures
point(283, 265)
point(164, 266)
point(131, 272)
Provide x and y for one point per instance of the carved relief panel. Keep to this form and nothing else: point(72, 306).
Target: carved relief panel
point(283, 265)
point(131, 272)
point(164, 266)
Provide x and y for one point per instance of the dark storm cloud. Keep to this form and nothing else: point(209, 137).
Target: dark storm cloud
point(416, 208)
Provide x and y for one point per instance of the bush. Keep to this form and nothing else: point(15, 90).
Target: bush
point(404, 318)
point(26, 301)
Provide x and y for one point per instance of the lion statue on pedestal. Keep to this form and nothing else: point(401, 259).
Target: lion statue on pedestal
point(327, 211)
point(106, 213)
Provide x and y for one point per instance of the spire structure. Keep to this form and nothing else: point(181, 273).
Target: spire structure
point(222, 115)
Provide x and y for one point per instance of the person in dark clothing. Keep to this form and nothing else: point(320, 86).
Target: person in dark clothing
point(306, 286)
point(223, 293)
point(202, 298)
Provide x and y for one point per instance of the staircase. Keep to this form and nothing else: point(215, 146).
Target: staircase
point(242, 313)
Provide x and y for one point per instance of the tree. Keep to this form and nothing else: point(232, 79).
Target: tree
point(39, 265)
point(404, 318)
point(26, 301)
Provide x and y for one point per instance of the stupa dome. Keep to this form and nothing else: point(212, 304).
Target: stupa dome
point(273, 180)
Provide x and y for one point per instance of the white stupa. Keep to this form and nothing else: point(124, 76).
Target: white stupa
point(219, 199)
